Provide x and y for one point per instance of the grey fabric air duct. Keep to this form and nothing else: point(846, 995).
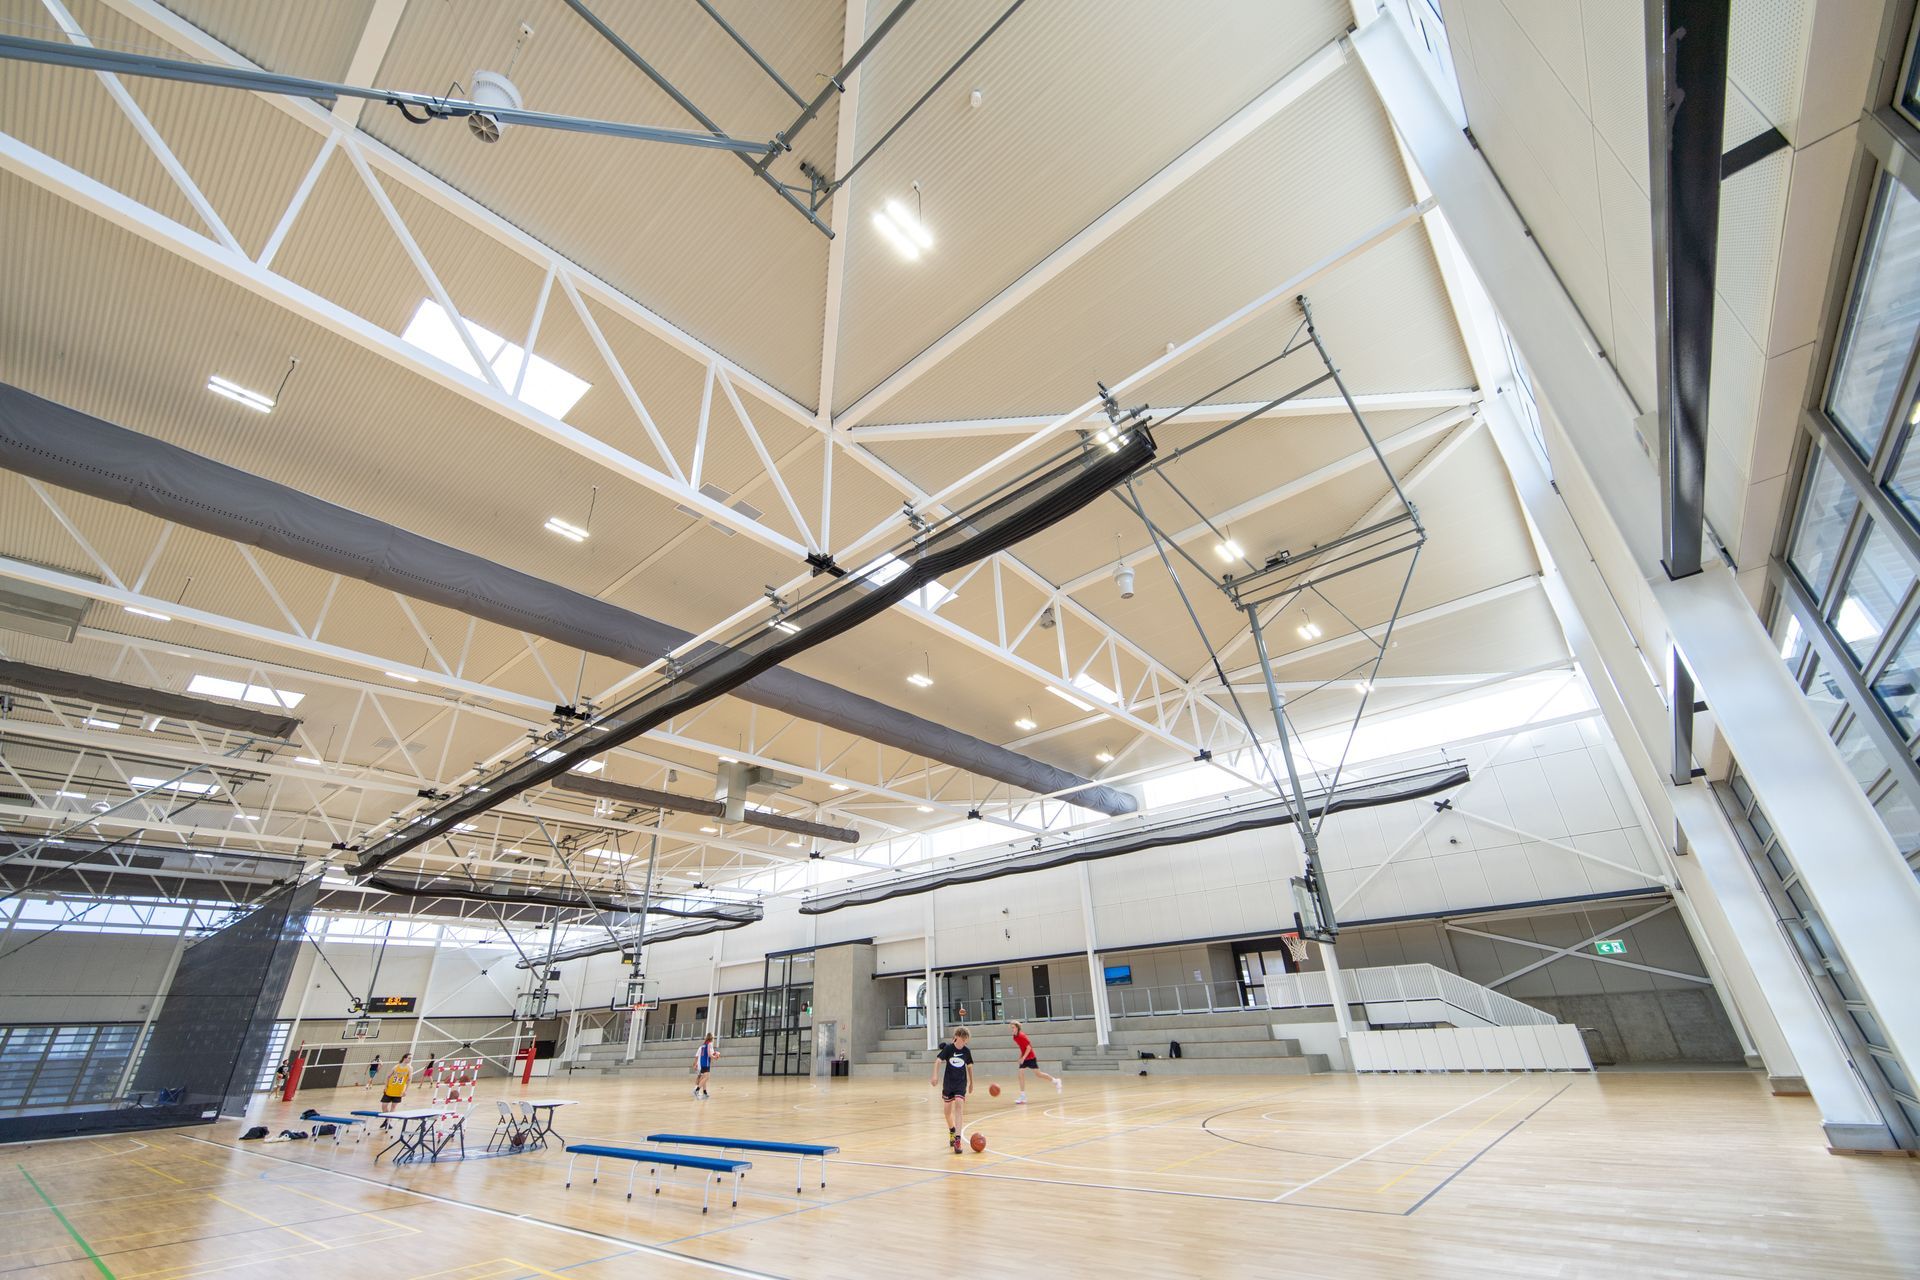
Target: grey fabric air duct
point(1202, 826)
point(131, 697)
point(506, 891)
point(77, 451)
point(605, 790)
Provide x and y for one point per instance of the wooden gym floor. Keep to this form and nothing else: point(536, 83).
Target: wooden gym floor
point(1616, 1175)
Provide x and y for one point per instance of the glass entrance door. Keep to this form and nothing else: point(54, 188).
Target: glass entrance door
point(786, 1015)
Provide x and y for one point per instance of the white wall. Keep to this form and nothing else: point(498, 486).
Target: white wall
point(81, 977)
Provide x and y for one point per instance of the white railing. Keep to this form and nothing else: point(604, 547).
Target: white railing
point(1406, 993)
point(1122, 1002)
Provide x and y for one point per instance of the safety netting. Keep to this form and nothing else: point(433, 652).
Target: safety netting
point(1186, 830)
point(1017, 510)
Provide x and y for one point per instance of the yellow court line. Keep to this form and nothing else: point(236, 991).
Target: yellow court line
point(269, 1221)
point(162, 1172)
point(539, 1271)
point(1453, 1143)
point(1211, 1151)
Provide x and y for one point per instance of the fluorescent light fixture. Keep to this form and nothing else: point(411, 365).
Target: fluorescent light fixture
point(1228, 550)
point(306, 760)
point(1363, 686)
point(465, 826)
point(247, 817)
point(137, 611)
point(709, 831)
point(259, 695)
point(924, 808)
point(1069, 699)
point(793, 844)
point(572, 532)
point(190, 788)
point(906, 235)
point(239, 395)
point(889, 566)
point(396, 675)
point(93, 723)
point(588, 766)
point(1087, 684)
point(781, 624)
point(921, 680)
point(71, 795)
point(909, 224)
point(1104, 757)
point(839, 786)
point(1025, 725)
point(546, 387)
point(1309, 630)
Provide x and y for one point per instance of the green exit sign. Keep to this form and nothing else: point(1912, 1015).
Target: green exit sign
point(1610, 947)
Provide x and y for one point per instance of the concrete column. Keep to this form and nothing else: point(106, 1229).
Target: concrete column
point(1337, 989)
point(845, 993)
point(1096, 974)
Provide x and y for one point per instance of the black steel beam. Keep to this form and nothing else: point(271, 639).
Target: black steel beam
point(1686, 120)
point(1752, 152)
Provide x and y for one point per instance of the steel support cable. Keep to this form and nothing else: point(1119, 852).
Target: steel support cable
point(836, 83)
point(566, 865)
point(1253, 739)
point(495, 907)
point(1286, 350)
point(1306, 309)
point(841, 180)
point(685, 103)
point(752, 52)
point(1238, 422)
point(252, 80)
point(1366, 692)
point(1204, 519)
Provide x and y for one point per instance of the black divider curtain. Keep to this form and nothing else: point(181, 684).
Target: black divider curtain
point(1038, 500)
point(210, 1039)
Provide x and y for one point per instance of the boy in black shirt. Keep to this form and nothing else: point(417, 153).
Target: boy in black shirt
point(953, 1072)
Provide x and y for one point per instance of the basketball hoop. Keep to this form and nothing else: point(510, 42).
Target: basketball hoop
point(361, 1029)
point(1296, 947)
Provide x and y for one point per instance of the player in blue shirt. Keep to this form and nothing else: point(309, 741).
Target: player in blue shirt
point(705, 1057)
point(954, 1075)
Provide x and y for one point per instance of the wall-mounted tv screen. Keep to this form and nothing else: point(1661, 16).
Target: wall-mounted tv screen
point(1119, 975)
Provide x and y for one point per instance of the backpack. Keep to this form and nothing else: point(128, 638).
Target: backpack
point(1173, 1049)
point(308, 1114)
point(325, 1130)
point(254, 1134)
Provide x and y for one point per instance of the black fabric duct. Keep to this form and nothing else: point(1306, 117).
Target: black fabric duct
point(705, 808)
point(627, 939)
point(131, 697)
point(1204, 826)
point(507, 892)
point(1042, 497)
point(77, 451)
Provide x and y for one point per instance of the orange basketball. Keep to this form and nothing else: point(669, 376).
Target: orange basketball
point(979, 1142)
point(994, 1089)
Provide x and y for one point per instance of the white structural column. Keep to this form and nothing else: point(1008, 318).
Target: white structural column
point(1848, 862)
point(1096, 975)
point(426, 988)
point(936, 1009)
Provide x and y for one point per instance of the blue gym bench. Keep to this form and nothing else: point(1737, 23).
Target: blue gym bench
point(655, 1161)
point(353, 1122)
point(801, 1149)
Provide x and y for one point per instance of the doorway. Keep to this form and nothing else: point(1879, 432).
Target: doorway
point(786, 1015)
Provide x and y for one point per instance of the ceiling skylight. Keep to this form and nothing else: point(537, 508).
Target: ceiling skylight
point(1087, 684)
point(889, 566)
point(161, 784)
point(1068, 698)
point(546, 387)
point(259, 695)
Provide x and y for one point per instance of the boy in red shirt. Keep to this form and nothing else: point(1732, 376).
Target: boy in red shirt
point(1028, 1062)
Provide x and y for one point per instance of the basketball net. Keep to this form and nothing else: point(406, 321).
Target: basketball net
point(1296, 947)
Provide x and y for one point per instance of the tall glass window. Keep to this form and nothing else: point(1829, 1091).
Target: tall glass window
point(1825, 512)
point(1878, 582)
point(1879, 331)
point(1898, 685)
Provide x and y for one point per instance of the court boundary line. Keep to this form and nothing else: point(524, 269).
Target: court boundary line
point(1111, 1186)
point(77, 1237)
point(1389, 1142)
point(584, 1233)
point(1444, 1182)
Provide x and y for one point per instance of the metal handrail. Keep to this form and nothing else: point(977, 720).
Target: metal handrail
point(1122, 1002)
point(1403, 984)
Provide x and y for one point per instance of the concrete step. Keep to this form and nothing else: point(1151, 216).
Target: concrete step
point(1303, 1065)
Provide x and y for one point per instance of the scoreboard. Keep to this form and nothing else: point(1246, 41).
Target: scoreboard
point(391, 1004)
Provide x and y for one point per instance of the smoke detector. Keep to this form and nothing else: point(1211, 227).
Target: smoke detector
point(1123, 579)
point(491, 89)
